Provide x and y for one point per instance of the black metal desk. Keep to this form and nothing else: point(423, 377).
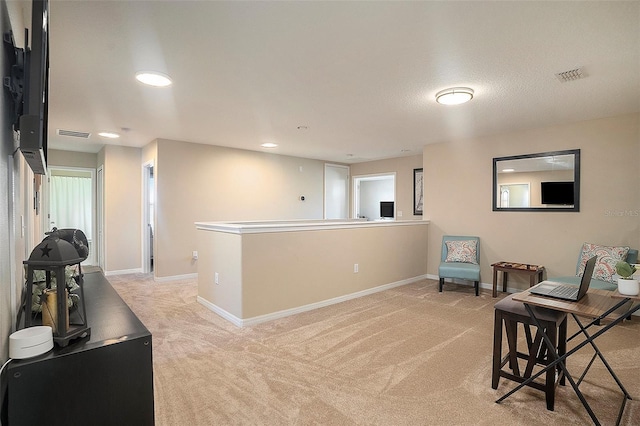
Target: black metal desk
point(597, 305)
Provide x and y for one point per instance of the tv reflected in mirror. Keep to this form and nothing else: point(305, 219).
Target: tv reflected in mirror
point(557, 193)
point(543, 182)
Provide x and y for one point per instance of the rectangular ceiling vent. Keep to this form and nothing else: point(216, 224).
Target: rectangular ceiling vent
point(575, 74)
point(74, 134)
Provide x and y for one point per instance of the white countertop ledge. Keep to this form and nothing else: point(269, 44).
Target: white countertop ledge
point(261, 227)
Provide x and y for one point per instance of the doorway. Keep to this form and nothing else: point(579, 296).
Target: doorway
point(148, 217)
point(336, 191)
point(100, 243)
point(369, 191)
point(514, 195)
point(70, 203)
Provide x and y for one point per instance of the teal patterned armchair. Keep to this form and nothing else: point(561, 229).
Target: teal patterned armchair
point(460, 259)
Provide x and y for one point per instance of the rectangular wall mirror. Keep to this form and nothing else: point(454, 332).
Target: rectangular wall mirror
point(546, 181)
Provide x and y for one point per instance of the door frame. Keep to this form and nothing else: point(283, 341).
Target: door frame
point(46, 212)
point(346, 200)
point(376, 176)
point(146, 234)
point(100, 222)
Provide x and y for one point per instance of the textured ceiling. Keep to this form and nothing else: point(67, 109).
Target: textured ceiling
point(361, 76)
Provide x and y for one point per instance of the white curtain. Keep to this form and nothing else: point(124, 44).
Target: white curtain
point(70, 203)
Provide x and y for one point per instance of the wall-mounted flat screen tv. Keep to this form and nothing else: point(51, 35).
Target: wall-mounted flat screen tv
point(29, 87)
point(559, 193)
point(386, 209)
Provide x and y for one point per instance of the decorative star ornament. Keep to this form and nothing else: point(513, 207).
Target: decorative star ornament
point(45, 250)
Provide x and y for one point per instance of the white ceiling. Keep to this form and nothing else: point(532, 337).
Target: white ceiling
point(361, 76)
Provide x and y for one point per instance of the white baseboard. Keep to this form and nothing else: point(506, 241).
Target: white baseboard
point(123, 272)
point(193, 276)
point(218, 310)
point(239, 322)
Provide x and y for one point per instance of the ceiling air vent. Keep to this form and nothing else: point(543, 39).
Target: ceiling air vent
point(74, 134)
point(575, 74)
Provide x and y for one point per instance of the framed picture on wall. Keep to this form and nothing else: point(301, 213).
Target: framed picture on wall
point(418, 191)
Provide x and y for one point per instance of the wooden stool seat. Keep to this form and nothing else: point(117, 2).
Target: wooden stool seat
point(511, 313)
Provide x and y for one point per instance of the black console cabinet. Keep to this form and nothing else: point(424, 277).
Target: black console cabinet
point(103, 379)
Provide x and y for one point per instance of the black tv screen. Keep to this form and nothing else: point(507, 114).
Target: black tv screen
point(386, 209)
point(559, 193)
point(34, 118)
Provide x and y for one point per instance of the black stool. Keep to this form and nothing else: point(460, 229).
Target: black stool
point(511, 313)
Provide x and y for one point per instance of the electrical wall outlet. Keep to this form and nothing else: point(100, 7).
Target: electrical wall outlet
point(194, 255)
point(216, 278)
point(399, 213)
point(355, 268)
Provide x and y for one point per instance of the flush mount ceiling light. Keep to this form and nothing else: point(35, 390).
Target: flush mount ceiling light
point(152, 78)
point(269, 145)
point(109, 135)
point(454, 96)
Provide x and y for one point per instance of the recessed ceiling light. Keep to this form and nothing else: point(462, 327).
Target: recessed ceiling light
point(508, 170)
point(109, 135)
point(454, 96)
point(152, 78)
point(269, 145)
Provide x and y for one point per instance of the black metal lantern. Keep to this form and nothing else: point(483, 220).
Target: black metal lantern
point(62, 308)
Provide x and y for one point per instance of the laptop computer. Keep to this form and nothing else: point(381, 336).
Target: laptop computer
point(565, 291)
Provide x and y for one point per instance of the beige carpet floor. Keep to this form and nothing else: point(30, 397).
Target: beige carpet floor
point(406, 356)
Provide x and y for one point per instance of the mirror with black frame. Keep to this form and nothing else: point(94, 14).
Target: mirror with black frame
point(546, 181)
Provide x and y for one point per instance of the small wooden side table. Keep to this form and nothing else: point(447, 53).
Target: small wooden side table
point(533, 271)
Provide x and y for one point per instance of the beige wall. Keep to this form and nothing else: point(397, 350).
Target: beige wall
point(208, 183)
point(86, 160)
point(203, 183)
point(197, 182)
point(264, 273)
point(458, 191)
point(150, 153)
point(28, 237)
point(309, 267)
point(222, 253)
point(123, 208)
point(11, 187)
point(403, 167)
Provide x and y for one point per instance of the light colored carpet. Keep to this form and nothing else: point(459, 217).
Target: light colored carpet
point(90, 268)
point(406, 356)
